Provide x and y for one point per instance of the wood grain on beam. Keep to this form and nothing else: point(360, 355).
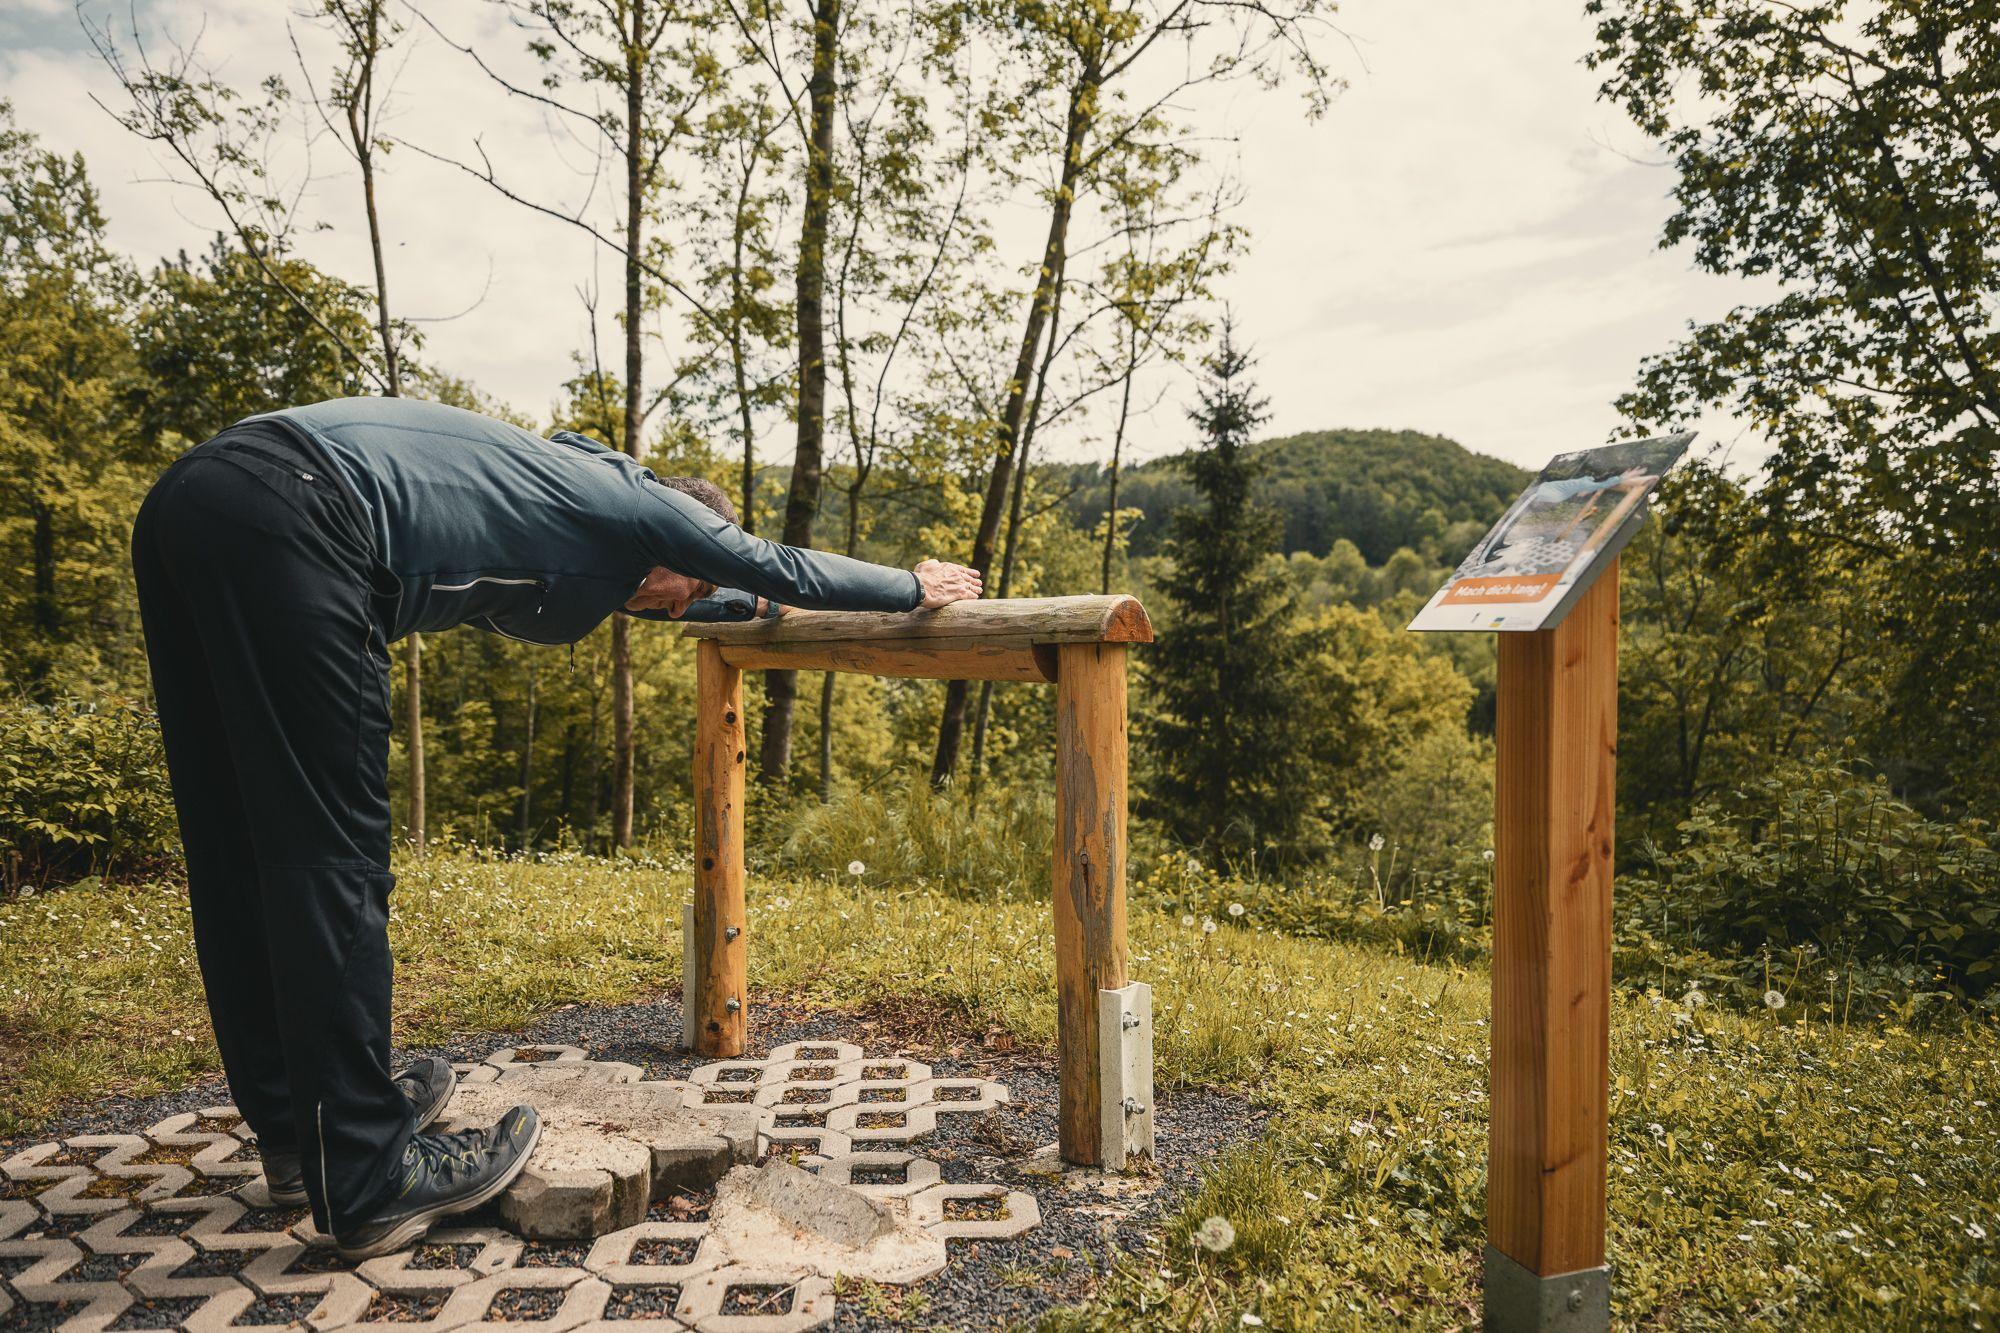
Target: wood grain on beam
point(926, 659)
point(1555, 778)
point(1015, 621)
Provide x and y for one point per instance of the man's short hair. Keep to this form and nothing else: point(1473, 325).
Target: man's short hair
point(704, 490)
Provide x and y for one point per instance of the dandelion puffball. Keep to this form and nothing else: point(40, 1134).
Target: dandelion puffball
point(1215, 1234)
point(856, 868)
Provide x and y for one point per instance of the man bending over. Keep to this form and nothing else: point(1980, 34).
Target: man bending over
point(275, 565)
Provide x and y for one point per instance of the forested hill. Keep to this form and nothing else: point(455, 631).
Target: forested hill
point(1380, 489)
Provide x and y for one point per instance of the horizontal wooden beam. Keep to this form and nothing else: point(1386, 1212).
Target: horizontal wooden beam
point(926, 659)
point(1012, 622)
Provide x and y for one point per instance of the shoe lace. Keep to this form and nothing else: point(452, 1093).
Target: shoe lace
point(450, 1155)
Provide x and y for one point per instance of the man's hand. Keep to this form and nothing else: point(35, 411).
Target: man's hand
point(947, 583)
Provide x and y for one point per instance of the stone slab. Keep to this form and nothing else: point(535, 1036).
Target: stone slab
point(778, 1215)
point(607, 1149)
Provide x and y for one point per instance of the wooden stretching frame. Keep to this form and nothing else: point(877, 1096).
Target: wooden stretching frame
point(1078, 644)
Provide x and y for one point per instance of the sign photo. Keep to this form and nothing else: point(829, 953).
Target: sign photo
point(1531, 567)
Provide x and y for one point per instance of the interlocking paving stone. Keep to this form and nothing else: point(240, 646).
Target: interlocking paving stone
point(172, 1228)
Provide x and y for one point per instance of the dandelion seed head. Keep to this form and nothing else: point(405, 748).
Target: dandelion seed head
point(856, 868)
point(1215, 1234)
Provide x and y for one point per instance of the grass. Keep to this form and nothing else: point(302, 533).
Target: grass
point(1762, 1167)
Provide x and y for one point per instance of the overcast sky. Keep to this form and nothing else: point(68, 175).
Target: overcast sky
point(1465, 244)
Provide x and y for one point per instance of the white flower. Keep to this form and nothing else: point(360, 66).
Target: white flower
point(1215, 1234)
point(1187, 920)
point(1236, 909)
point(1208, 926)
point(1773, 1000)
point(856, 868)
point(1375, 843)
point(1694, 999)
point(1488, 854)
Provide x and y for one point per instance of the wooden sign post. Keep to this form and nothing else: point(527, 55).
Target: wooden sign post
point(1546, 577)
point(1104, 1022)
point(1555, 799)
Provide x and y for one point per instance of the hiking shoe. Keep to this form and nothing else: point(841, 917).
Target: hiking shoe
point(444, 1174)
point(427, 1085)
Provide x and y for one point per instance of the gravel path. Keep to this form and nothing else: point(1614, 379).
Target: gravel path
point(988, 1283)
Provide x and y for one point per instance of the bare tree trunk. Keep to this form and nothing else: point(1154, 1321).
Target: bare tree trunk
point(623, 761)
point(528, 763)
point(47, 613)
point(1014, 523)
point(808, 462)
point(826, 688)
point(1117, 452)
point(360, 98)
point(1083, 100)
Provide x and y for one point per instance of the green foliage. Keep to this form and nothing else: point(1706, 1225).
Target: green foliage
point(1362, 696)
point(70, 460)
point(1826, 870)
point(1843, 155)
point(240, 335)
point(1745, 646)
point(83, 789)
point(1380, 490)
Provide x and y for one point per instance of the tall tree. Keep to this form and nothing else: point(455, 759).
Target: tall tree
point(358, 96)
point(1223, 730)
point(651, 61)
point(1078, 59)
point(1849, 156)
point(771, 33)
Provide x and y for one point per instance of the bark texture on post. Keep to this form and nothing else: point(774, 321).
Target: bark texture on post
point(1553, 828)
point(1089, 881)
point(720, 956)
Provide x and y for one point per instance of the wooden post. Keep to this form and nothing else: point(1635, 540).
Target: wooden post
point(717, 945)
point(1557, 732)
point(1089, 879)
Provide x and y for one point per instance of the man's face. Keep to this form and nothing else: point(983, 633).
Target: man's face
point(664, 590)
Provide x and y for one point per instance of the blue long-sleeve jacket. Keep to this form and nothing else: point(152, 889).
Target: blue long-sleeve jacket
point(478, 522)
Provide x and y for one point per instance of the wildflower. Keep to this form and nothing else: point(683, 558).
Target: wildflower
point(1375, 843)
point(1188, 920)
point(1488, 854)
point(1773, 1000)
point(1194, 866)
point(1208, 926)
point(856, 868)
point(1215, 1234)
point(1236, 909)
point(1694, 999)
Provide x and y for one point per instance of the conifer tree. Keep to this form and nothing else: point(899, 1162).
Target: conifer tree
point(1224, 734)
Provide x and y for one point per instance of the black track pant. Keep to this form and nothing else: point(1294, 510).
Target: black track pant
point(272, 680)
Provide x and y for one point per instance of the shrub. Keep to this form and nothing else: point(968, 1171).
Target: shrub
point(83, 789)
point(1819, 867)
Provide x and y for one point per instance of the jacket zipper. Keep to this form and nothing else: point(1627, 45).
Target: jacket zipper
point(489, 578)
